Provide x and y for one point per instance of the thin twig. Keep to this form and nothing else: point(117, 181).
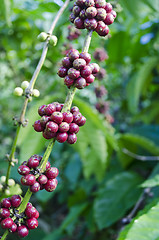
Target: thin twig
point(140, 157)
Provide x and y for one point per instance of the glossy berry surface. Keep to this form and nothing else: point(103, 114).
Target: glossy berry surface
point(51, 185)
point(28, 180)
point(52, 172)
point(35, 187)
point(32, 223)
point(6, 223)
point(15, 201)
point(23, 170)
point(22, 231)
point(6, 203)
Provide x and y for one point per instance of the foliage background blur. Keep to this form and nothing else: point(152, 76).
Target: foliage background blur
point(98, 183)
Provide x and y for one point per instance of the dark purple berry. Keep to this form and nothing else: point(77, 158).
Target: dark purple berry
point(68, 81)
point(101, 14)
point(100, 28)
point(73, 54)
point(52, 127)
point(76, 10)
point(72, 17)
point(61, 137)
point(49, 109)
point(42, 179)
point(77, 117)
point(23, 170)
point(66, 62)
point(62, 72)
point(28, 180)
point(44, 120)
point(33, 162)
point(89, 3)
point(58, 106)
point(48, 165)
point(82, 121)
point(37, 126)
point(79, 64)
point(51, 185)
point(100, 54)
point(41, 110)
point(72, 138)
point(74, 128)
point(82, 15)
point(35, 187)
point(101, 74)
point(90, 24)
point(6, 223)
point(80, 3)
point(100, 91)
point(64, 127)
point(90, 78)
point(109, 19)
point(73, 73)
point(79, 23)
point(52, 172)
point(48, 135)
point(86, 56)
point(15, 201)
point(74, 110)
point(32, 223)
point(22, 231)
point(13, 228)
point(91, 12)
point(86, 71)
point(57, 117)
point(108, 7)
point(6, 203)
point(95, 68)
point(80, 83)
point(100, 3)
point(4, 213)
point(30, 211)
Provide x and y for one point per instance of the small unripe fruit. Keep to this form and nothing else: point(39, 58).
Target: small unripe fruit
point(36, 93)
point(11, 182)
point(24, 84)
point(3, 179)
point(18, 91)
point(7, 192)
point(53, 40)
point(42, 36)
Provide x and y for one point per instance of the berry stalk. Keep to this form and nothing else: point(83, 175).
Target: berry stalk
point(4, 235)
point(30, 88)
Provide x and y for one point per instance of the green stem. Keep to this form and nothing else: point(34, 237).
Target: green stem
point(46, 155)
point(69, 99)
point(25, 201)
point(4, 235)
point(87, 41)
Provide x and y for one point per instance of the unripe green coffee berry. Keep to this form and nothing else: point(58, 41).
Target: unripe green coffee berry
point(11, 182)
point(3, 179)
point(30, 99)
point(18, 91)
point(24, 84)
point(36, 93)
point(1, 187)
point(7, 192)
point(42, 36)
point(53, 40)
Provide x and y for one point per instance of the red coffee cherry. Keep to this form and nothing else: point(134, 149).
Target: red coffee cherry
point(15, 201)
point(74, 128)
point(42, 179)
point(41, 110)
point(6, 223)
point(23, 170)
point(6, 203)
point(51, 185)
point(37, 126)
point(72, 138)
point(22, 231)
point(52, 172)
point(35, 187)
point(32, 223)
point(4, 213)
point(28, 180)
point(57, 117)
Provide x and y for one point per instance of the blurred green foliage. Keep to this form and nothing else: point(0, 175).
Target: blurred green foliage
point(98, 183)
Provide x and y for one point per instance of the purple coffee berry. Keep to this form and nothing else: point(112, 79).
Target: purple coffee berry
point(72, 17)
point(52, 127)
point(35, 187)
point(73, 54)
point(30, 211)
point(6, 203)
point(91, 12)
point(95, 68)
point(6, 223)
point(64, 127)
point(100, 54)
point(68, 81)
point(86, 71)
point(66, 62)
point(57, 117)
point(51, 185)
point(74, 110)
point(48, 165)
point(58, 106)
point(4, 212)
point(13, 228)
point(48, 135)
point(41, 110)
point(108, 7)
point(72, 138)
point(22, 231)
point(28, 180)
point(80, 3)
point(73, 73)
point(82, 121)
point(100, 28)
point(90, 24)
point(113, 13)
point(76, 10)
point(42, 179)
point(80, 83)
point(52, 172)
point(33, 162)
point(74, 128)
point(67, 117)
point(15, 201)
point(23, 170)
point(86, 56)
point(101, 14)
point(89, 3)
point(62, 72)
point(79, 64)
point(49, 109)
point(109, 19)
point(90, 79)
point(100, 3)
point(82, 15)
point(37, 126)
point(79, 23)
point(77, 117)
point(32, 223)
point(61, 137)
point(44, 120)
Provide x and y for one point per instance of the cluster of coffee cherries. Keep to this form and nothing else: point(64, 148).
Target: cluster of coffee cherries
point(93, 15)
point(16, 222)
point(32, 177)
point(63, 126)
point(73, 33)
point(77, 70)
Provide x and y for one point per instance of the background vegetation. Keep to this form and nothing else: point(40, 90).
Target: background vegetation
point(98, 184)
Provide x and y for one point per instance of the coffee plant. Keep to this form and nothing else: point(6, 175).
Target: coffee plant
point(80, 81)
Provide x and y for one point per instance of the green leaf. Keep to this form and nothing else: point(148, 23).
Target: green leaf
point(115, 198)
point(153, 182)
point(144, 227)
point(137, 82)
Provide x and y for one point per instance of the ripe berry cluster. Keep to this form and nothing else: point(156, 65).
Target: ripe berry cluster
point(11, 219)
point(93, 15)
point(55, 124)
point(77, 69)
point(29, 171)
